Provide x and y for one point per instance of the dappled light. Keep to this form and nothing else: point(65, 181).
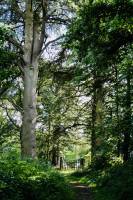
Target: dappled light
point(66, 100)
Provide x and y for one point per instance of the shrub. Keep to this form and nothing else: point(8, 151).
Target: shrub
point(109, 183)
point(28, 179)
point(80, 173)
point(100, 162)
point(116, 184)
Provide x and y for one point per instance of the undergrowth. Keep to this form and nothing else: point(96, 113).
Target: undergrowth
point(110, 183)
point(116, 184)
point(28, 179)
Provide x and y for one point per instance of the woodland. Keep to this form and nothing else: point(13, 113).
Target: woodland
point(66, 99)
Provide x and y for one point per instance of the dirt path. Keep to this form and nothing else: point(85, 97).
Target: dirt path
point(82, 192)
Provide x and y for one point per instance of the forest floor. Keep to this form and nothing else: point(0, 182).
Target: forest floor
point(81, 191)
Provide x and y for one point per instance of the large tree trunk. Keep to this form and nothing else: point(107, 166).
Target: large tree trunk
point(117, 112)
point(31, 57)
point(93, 132)
point(97, 116)
point(54, 156)
point(128, 123)
point(30, 114)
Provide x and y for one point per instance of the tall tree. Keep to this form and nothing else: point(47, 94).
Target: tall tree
point(30, 21)
point(97, 35)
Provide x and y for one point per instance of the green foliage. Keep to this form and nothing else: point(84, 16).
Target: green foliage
point(4, 32)
point(28, 179)
point(80, 173)
point(100, 162)
point(101, 37)
point(116, 184)
point(103, 27)
point(8, 60)
point(113, 183)
point(100, 43)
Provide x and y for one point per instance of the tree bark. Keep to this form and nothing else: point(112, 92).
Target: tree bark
point(117, 112)
point(128, 124)
point(54, 157)
point(93, 132)
point(30, 113)
point(97, 116)
point(31, 56)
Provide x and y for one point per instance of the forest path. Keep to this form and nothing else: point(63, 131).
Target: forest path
point(82, 192)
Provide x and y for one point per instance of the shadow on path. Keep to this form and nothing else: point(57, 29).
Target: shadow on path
point(82, 192)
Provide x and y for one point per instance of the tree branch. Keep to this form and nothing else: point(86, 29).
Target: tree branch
point(17, 107)
point(17, 9)
point(14, 42)
point(10, 118)
point(58, 20)
point(52, 41)
point(42, 35)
